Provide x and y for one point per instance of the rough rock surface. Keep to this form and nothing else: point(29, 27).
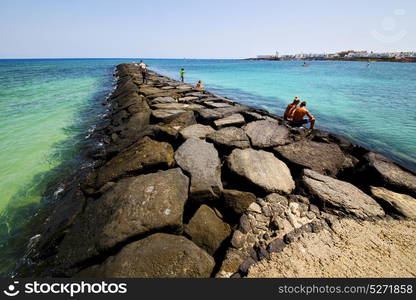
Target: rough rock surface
point(200, 159)
point(262, 169)
point(133, 206)
point(323, 158)
point(230, 137)
point(207, 230)
point(233, 120)
point(157, 256)
point(350, 249)
point(238, 201)
point(340, 197)
point(400, 203)
point(267, 133)
point(391, 174)
point(145, 154)
point(196, 131)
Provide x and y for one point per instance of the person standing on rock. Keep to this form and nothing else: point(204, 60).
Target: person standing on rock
point(298, 117)
point(143, 71)
point(291, 108)
point(182, 73)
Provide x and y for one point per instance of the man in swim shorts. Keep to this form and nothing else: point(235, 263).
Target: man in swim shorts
point(291, 108)
point(298, 117)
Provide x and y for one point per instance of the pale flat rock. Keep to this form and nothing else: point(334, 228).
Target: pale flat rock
point(233, 120)
point(262, 169)
point(267, 133)
point(400, 203)
point(176, 106)
point(196, 131)
point(339, 196)
point(188, 99)
point(214, 104)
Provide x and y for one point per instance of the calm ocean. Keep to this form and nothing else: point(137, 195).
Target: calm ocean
point(48, 106)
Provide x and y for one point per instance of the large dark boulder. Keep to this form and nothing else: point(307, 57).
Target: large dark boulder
point(262, 169)
point(200, 159)
point(146, 154)
point(134, 206)
point(207, 230)
point(323, 158)
point(230, 137)
point(267, 133)
point(384, 171)
point(339, 197)
point(157, 256)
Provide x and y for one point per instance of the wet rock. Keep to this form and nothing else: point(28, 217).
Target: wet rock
point(134, 206)
point(157, 256)
point(238, 201)
point(196, 131)
point(207, 230)
point(323, 158)
point(391, 175)
point(262, 169)
point(230, 137)
point(61, 218)
point(339, 196)
point(267, 133)
point(200, 159)
point(146, 154)
point(233, 120)
point(399, 203)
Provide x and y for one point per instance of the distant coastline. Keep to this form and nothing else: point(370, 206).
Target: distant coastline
point(400, 60)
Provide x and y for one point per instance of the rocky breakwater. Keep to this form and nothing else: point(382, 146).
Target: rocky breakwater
point(190, 184)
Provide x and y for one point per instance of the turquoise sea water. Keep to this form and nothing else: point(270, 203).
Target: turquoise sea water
point(48, 106)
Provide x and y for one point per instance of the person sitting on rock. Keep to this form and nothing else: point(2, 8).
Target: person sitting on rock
point(291, 108)
point(199, 85)
point(298, 117)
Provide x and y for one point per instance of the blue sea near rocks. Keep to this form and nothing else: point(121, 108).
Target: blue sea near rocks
point(49, 107)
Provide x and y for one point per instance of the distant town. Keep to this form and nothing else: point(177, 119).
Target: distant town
point(350, 55)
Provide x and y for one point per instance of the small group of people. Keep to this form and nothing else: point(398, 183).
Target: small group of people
point(198, 84)
point(296, 115)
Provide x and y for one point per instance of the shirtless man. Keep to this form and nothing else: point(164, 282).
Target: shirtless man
point(299, 113)
point(291, 108)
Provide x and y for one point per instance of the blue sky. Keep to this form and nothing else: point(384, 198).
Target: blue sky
point(202, 29)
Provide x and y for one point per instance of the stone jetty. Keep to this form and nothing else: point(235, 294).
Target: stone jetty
point(191, 184)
